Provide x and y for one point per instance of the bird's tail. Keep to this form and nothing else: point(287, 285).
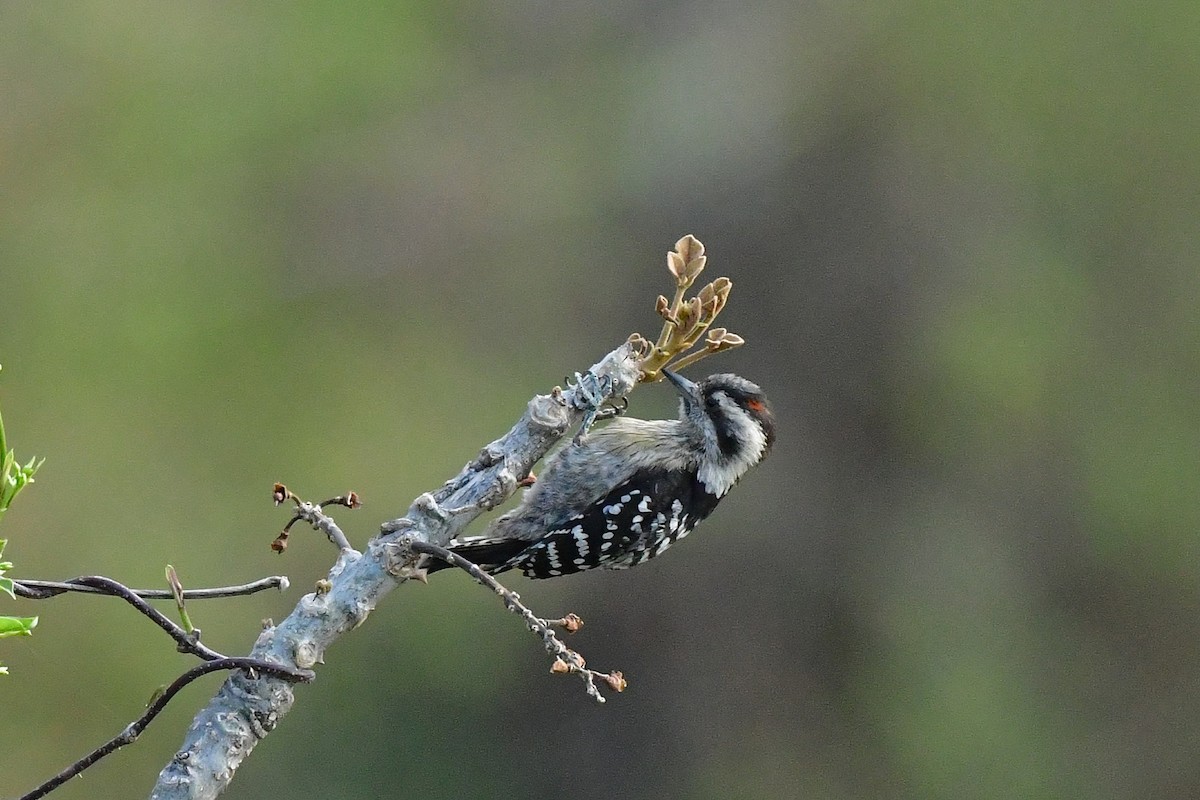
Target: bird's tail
point(490, 554)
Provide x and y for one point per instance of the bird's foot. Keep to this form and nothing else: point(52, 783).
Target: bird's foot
point(590, 395)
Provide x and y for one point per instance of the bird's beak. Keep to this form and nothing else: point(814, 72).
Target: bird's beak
point(687, 389)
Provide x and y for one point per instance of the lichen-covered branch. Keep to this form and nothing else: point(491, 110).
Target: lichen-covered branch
point(246, 709)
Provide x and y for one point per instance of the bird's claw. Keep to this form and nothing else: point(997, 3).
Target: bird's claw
point(590, 389)
point(590, 395)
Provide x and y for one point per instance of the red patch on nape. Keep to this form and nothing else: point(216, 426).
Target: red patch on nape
point(757, 406)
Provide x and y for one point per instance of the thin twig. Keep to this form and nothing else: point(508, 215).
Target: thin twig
point(314, 514)
point(44, 590)
point(135, 728)
point(566, 659)
point(186, 642)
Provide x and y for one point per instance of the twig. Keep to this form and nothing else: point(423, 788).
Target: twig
point(186, 643)
point(135, 728)
point(314, 515)
point(44, 590)
point(566, 660)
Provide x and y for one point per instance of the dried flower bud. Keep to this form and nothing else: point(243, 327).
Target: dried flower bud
point(616, 681)
point(353, 500)
point(280, 543)
point(572, 623)
point(639, 345)
point(280, 493)
point(559, 667)
point(662, 307)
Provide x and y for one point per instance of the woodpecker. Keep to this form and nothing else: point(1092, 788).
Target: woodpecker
point(625, 492)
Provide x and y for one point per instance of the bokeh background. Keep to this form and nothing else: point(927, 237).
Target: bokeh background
point(340, 245)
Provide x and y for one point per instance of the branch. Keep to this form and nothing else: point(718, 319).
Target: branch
point(245, 709)
point(313, 514)
point(135, 728)
point(44, 590)
point(187, 641)
point(566, 660)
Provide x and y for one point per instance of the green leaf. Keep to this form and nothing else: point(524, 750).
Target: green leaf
point(17, 626)
point(6, 586)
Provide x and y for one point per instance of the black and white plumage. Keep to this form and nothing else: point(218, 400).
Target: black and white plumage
point(627, 491)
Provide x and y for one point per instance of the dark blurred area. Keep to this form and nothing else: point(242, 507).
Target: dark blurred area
point(341, 246)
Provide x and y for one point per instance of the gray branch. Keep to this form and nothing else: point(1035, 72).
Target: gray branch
point(246, 709)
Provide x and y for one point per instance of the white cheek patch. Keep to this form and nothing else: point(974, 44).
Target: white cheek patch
point(721, 472)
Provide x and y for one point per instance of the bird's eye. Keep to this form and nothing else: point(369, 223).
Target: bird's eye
point(711, 401)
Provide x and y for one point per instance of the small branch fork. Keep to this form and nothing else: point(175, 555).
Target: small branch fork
point(186, 641)
point(312, 514)
point(566, 660)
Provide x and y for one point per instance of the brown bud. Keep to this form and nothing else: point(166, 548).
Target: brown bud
point(280, 493)
point(353, 500)
point(280, 543)
point(616, 681)
point(662, 307)
point(559, 667)
point(572, 623)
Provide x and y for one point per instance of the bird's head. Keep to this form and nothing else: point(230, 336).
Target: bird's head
point(733, 422)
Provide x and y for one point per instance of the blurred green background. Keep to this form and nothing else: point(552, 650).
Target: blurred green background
point(340, 245)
